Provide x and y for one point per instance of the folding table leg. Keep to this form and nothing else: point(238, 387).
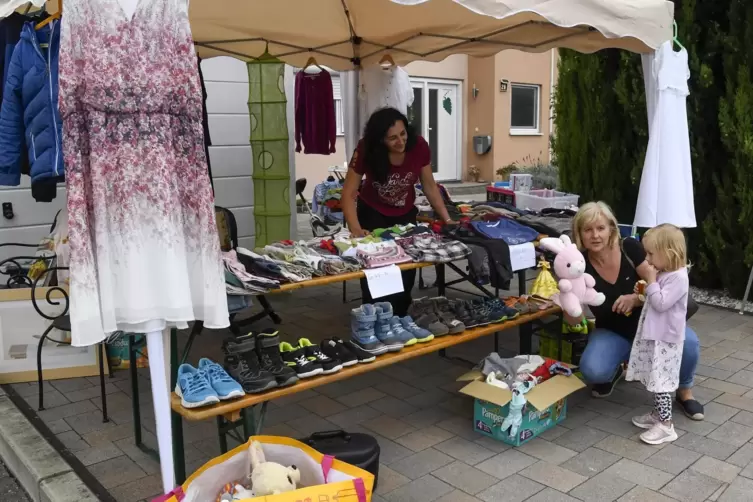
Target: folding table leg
point(525, 332)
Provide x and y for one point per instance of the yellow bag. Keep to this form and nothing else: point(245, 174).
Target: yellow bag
point(323, 477)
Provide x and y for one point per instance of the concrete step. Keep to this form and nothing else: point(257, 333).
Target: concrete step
point(464, 187)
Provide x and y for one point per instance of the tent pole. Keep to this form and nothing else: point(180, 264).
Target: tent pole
point(156, 342)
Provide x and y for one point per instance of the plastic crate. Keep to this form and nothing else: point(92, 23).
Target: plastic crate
point(500, 194)
point(536, 200)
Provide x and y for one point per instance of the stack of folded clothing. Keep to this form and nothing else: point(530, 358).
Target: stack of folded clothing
point(507, 230)
point(381, 254)
point(432, 248)
point(269, 267)
point(240, 281)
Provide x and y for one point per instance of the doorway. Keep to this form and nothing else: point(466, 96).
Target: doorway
point(436, 114)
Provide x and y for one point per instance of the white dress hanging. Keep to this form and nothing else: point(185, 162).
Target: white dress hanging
point(666, 191)
point(382, 88)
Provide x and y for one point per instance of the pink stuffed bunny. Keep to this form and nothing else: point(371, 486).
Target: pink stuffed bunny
point(576, 286)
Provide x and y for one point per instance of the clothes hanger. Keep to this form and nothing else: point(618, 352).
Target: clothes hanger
point(311, 62)
point(387, 62)
point(52, 17)
point(674, 37)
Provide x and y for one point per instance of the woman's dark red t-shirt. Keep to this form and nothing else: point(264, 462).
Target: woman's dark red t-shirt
point(397, 195)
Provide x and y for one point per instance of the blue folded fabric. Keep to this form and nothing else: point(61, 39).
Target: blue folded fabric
point(505, 229)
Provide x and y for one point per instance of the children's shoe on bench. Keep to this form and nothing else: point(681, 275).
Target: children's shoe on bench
point(314, 354)
point(422, 335)
point(193, 388)
point(338, 350)
point(362, 330)
point(465, 314)
point(422, 311)
point(406, 337)
point(268, 348)
point(225, 386)
point(295, 357)
point(443, 310)
point(383, 328)
point(361, 355)
point(242, 363)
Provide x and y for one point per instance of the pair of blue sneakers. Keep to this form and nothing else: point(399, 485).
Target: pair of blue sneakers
point(205, 385)
point(376, 330)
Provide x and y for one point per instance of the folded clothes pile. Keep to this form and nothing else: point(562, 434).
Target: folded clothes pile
point(317, 260)
point(381, 254)
point(272, 268)
point(432, 248)
point(239, 281)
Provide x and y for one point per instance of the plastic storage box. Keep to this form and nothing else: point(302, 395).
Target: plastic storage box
point(536, 200)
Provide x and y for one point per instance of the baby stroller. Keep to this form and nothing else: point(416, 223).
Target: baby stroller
point(320, 226)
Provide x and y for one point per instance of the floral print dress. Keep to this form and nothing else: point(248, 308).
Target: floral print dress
point(653, 363)
point(144, 248)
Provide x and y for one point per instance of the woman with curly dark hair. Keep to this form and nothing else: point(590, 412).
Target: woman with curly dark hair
point(392, 158)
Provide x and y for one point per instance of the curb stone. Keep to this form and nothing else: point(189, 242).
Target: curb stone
point(41, 470)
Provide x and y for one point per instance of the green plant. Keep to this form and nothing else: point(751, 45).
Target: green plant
point(602, 133)
point(544, 175)
point(505, 171)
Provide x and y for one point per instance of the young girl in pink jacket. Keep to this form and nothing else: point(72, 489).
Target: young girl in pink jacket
point(657, 347)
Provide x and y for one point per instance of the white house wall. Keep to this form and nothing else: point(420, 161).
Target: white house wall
point(226, 80)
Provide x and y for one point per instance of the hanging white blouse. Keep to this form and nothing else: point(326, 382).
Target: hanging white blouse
point(382, 88)
point(666, 191)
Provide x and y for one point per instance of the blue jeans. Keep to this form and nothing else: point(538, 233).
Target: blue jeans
point(606, 350)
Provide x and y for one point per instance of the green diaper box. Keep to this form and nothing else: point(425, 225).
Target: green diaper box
point(546, 406)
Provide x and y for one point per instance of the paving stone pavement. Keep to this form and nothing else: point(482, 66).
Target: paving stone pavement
point(429, 451)
point(10, 488)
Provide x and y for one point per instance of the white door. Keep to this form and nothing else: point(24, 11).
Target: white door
point(436, 114)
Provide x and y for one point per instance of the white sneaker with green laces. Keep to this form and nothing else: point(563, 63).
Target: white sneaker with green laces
point(659, 433)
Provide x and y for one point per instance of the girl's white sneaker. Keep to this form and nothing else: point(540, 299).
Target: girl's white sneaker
point(659, 433)
point(646, 421)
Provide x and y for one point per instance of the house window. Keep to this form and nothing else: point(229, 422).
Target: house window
point(339, 116)
point(524, 109)
point(340, 130)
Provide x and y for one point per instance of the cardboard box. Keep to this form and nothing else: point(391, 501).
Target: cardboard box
point(546, 406)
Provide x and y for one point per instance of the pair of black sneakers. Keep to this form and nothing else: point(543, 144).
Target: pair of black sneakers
point(308, 360)
point(332, 355)
point(254, 361)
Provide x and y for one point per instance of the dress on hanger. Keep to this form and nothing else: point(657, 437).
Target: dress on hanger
point(383, 88)
point(144, 248)
point(666, 191)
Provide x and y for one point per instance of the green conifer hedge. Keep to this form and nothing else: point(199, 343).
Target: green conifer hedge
point(602, 133)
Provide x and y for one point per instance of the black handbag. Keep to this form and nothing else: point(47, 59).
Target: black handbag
point(692, 305)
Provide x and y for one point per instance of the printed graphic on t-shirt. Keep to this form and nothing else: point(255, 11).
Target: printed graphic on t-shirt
point(395, 191)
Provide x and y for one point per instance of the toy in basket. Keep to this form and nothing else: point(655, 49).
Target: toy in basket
point(263, 478)
point(576, 286)
point(274, 469)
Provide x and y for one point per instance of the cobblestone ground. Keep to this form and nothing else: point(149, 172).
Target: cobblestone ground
point(429, 450)
point(10, 490)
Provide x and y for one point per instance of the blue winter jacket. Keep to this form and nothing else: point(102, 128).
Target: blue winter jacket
point(29, 117)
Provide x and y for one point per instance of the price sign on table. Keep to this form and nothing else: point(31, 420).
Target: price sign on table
point(384, 281)
point(522, 256)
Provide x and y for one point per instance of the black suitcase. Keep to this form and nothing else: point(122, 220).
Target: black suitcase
point(355, 448)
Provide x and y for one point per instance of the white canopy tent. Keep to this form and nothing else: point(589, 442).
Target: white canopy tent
point(347, 34)
point(344, 34)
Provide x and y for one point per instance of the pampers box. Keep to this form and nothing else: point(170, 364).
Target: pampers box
point(546, 406)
